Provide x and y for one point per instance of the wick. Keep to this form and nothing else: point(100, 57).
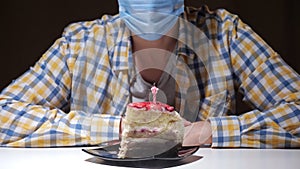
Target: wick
point(154, 91)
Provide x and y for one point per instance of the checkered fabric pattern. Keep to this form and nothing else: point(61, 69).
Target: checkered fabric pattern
point(76, 93)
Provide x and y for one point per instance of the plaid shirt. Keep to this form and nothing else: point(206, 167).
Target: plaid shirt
point(75, 94)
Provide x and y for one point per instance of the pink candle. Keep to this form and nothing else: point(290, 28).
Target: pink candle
point(154, 91)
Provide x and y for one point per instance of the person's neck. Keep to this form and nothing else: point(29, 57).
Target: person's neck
point(164, 43)
point(151, 57)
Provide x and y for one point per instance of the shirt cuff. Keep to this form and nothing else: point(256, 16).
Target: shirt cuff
point(225, 131)
point(104, 128)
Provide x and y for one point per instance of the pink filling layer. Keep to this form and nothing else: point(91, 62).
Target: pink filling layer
point(152, 106)
point(144, 132)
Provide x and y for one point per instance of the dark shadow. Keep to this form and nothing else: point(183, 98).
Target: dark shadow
point(146, 164)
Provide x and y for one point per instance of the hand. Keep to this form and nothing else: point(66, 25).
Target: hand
point(186, 123)
point(198, 133)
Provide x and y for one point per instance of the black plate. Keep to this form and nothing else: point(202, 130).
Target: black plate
point(109, 151)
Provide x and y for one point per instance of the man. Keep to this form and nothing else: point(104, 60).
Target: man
point(77, 92)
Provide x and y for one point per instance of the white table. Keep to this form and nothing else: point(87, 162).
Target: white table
point(73, 158)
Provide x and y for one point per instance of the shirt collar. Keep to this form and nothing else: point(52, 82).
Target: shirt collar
point(190, 37)
point(119, 45)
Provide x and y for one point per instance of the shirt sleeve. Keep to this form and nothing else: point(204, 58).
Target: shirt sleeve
point(34, 108)
point(268, 85)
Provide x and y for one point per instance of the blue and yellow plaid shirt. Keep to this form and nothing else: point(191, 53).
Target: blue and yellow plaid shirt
point(76, 93)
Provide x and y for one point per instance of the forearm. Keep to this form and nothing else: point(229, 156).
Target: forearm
point(278, 127)
point(270, 86)
point(25, 125)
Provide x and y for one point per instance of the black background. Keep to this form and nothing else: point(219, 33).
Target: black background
point(29, 28)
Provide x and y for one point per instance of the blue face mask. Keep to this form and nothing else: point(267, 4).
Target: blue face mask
point(150, 19)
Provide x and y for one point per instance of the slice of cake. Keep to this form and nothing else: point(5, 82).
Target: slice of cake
point(150, 128)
